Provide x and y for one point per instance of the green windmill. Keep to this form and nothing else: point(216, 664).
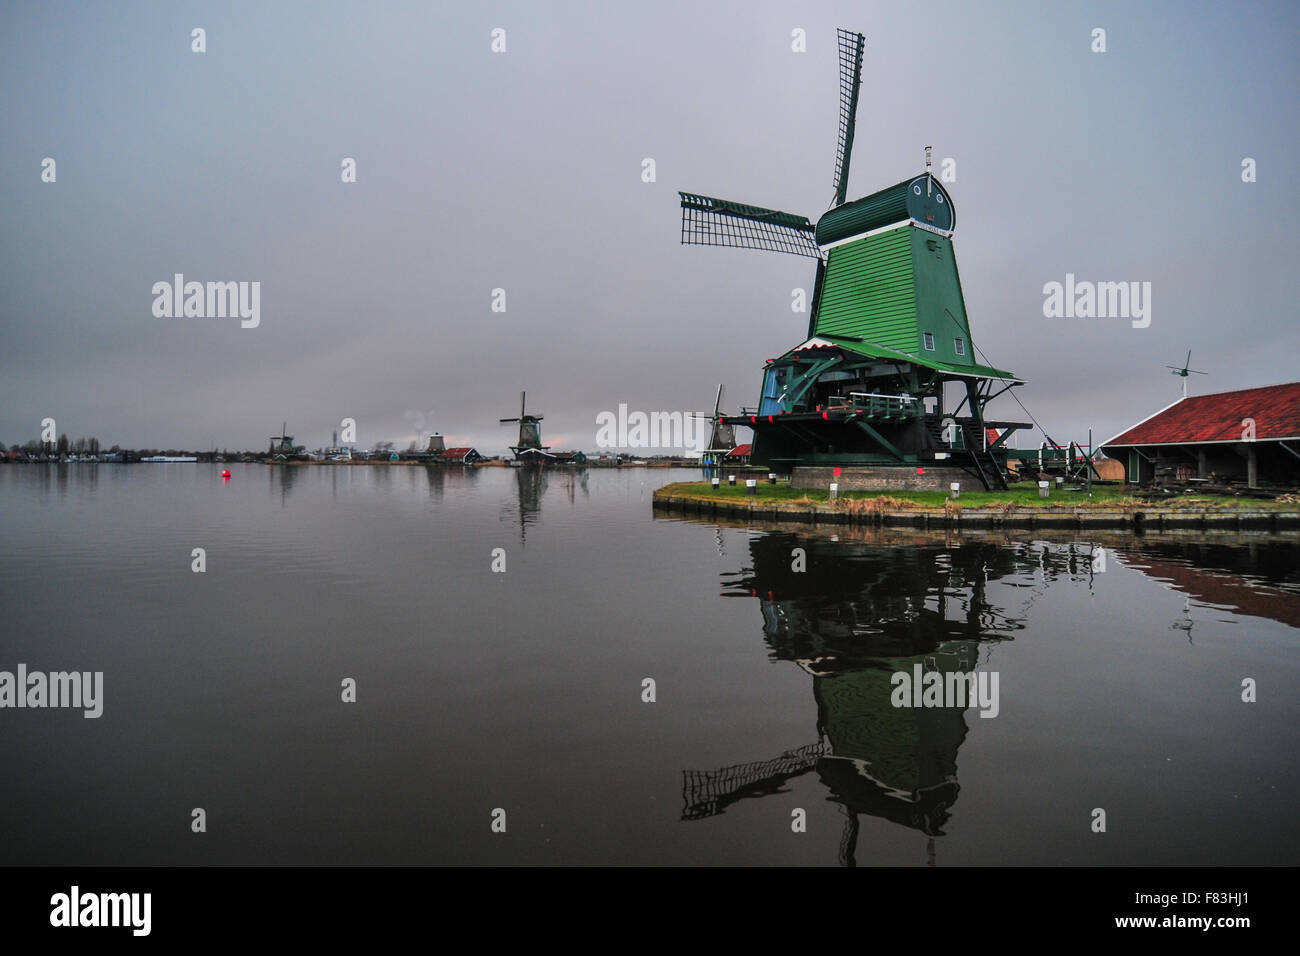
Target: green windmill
point(282, 446)
point(885, 381)
point(530, 447)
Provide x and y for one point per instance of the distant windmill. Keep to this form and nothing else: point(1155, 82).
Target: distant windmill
point(285, 444)
point(530, 432)
point(1185, 370)
point(722, 437)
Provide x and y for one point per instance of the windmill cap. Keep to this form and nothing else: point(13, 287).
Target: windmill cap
point(919, 199)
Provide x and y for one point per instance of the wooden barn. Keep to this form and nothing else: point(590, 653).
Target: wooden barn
point(575, 458)
point(738, 455)
point(1249, 436)
point(461, 456)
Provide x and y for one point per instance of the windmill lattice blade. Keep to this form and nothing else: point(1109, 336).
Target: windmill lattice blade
point(717, 222)
point(851, 47)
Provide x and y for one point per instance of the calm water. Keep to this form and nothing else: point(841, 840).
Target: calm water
point(1119, 688)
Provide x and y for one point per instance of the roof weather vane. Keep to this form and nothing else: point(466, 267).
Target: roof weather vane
point(1185, 370)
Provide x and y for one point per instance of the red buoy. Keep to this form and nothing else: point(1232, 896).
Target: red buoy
point(226, 474)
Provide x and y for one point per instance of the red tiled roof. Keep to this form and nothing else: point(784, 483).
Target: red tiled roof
point(456, 452)
point(1218, 418)
point(740, 451)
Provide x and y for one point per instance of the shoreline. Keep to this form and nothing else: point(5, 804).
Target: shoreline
point(866, 512)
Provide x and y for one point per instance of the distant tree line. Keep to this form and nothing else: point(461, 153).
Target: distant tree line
point(65, 447)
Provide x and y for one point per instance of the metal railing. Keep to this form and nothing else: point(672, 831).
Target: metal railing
point(876, 405)
point(871, 404)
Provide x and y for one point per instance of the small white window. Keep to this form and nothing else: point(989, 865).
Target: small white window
point(959, 346)
point(927, 338)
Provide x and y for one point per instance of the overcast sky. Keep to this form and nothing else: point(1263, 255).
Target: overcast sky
point(522, 171)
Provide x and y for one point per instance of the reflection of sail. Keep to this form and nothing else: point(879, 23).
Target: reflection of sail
point(708, 792)
point(531, 484)
point(857, 613)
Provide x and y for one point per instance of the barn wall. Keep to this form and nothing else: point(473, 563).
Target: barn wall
point(1223, 462)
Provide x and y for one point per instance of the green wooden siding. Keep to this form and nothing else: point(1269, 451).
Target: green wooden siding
point(940, 307)
point(869, 291)
point(891, 288)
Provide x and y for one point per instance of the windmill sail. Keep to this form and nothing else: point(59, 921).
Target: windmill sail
point(851, 47)
point(717, 222)
point(723, 437)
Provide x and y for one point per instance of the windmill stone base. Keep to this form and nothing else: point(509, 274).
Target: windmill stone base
point(882, 478)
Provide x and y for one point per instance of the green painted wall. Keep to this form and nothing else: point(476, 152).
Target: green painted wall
point(940, 306)
point(869, 291)
point(890, 288)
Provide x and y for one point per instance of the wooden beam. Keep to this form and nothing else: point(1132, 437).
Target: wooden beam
point(884, 442)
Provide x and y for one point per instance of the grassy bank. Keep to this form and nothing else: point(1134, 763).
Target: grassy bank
point(1021, 495)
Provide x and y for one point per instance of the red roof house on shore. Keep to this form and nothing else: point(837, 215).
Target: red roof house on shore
point(1252, 434)
point(739, 455)
point(464, 456)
